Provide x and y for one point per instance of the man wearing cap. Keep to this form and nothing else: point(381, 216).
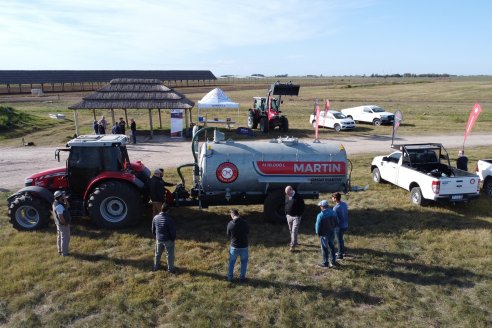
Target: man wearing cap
point(62, 219)
point(237, 231)
point(157, 191)
point(294, 207)
point(326, 222)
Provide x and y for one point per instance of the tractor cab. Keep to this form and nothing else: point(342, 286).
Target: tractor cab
point(90, 155)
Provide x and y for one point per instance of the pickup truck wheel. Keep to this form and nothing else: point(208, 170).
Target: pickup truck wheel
point(274, 206)
point(416, 197)
point(337, 127)
point(376, 122)
point(376, 175)
point(487, 187)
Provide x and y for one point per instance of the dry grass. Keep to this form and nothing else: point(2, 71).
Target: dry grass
point(408, 266)
point(424, 102)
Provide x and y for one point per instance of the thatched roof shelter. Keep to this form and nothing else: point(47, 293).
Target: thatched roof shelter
point(128, 93)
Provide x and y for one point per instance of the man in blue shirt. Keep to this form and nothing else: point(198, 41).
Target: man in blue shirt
point(326, 223)
point(341, 209)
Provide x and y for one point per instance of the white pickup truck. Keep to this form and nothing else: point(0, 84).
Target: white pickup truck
point(484, 171)
point(370, 114)
point(418, 168)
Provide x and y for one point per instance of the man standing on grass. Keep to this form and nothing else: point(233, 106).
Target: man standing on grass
point(325, 226)
point(237, 231)
point(133, 128)
point(294, 207)
point(341, 210)
point(62, 220)
point(164, 230)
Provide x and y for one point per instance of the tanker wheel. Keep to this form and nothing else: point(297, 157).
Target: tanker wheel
point(264, 124)
point(274, 206)
point(28, 213)
point(252, 121)
point(115, 205)
point(284, 127)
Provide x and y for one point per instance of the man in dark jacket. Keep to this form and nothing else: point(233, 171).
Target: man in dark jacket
point(294, 207)
point(237, 231)
point(326, 223)
point(157, 191)
point(164, 230)
point(462, 161)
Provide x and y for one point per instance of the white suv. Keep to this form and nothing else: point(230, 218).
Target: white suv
point(333, 119)
point(369, 113)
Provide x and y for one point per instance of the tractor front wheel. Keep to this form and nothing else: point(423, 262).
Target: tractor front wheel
point(264, 124)
point(28, 213)
point(115, 205)
point(252, 121)
point(284, 127)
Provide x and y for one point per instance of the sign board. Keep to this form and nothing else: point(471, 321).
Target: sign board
point(176, 123)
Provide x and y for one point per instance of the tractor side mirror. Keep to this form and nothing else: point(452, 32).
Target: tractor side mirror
point(57, 154)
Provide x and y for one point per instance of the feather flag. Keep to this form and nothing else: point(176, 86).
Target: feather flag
point(316, 110)
point(475, 112)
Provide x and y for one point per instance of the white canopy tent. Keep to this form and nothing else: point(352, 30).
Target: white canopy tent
point(216, 99)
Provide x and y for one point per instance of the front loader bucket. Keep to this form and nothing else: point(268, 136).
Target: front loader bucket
point(285, 89)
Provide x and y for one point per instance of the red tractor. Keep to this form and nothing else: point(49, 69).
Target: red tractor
point(100, 182)
point(266, 110)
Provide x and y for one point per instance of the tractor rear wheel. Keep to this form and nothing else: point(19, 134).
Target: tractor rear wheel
point(274, 206)
point(284, 126)
point(264, 124)
point(28, 213)
point(115, 205)
point(252, 121)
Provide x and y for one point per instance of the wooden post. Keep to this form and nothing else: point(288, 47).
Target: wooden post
point(112, 117)
point(150, 122)
point(94, 114)
point(75, 117)
point(160, 120)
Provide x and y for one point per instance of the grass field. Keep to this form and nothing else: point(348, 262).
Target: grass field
point(429, 106)
point(408, 266)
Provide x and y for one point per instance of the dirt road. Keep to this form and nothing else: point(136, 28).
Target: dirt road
point(17, 163)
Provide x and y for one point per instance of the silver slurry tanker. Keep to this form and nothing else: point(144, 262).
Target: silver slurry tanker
point(233, 173)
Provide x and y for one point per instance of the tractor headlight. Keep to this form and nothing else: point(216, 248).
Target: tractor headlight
point(28, 182)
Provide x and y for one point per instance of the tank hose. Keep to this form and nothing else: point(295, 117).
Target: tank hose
point(194, 139)
point(180, 174)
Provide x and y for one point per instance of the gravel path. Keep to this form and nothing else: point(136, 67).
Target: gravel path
point(18, 162)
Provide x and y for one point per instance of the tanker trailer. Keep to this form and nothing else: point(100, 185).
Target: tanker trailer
point(243, 173)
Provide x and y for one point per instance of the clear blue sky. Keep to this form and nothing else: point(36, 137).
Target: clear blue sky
point(295, 37)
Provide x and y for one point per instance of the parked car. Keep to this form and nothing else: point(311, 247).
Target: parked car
point(334, 120)
point(369, 113)
point(425, 171)
point(484, 171)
